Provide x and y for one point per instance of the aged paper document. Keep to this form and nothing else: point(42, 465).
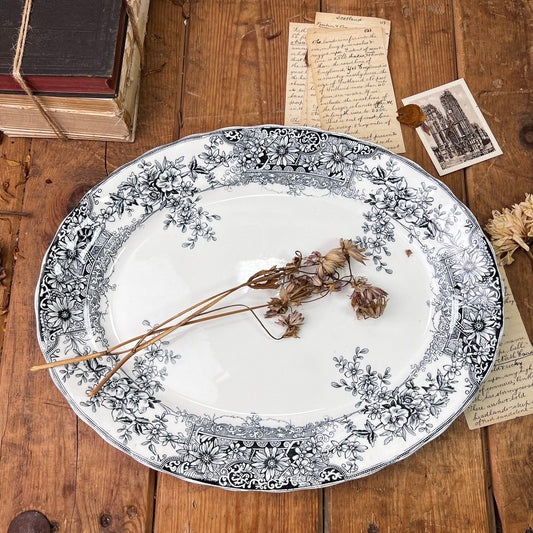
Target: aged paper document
point(310, 116)
point(334, 20)
point(353, 84)
point(296, 73)
point(508, 391)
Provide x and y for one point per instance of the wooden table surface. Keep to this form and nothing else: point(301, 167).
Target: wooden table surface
point(214, 63)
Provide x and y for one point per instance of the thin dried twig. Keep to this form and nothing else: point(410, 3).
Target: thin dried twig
point(115, 350)
point(14, 213)
point(304, 279)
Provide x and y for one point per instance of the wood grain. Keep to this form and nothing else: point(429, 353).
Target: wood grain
point(39, 430)
point(90, 478)
point(236, 77)
point(493, 59)
point(183, 506)
point(220, 63)
point(440, 488)
point(416, 494)
point(124, 497)
point(15, 161)
point(158, 120)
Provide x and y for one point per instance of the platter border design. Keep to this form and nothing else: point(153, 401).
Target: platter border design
point(250, 452)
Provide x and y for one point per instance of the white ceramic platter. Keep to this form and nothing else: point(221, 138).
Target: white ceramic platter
point(221, 402)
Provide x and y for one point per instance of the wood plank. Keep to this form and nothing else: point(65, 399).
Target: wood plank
point(160, 94)
point(92, 483)
point(126, 501)
point(236, 77)
point(39, 430)
point(183, 506)
point(73, 477)
point(427, 491)
point(15, 162)
point(493, 59)
point(440, 488)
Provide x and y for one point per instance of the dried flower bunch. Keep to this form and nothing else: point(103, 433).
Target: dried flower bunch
point(512, 229)
point(317, 275)
point(304, 279)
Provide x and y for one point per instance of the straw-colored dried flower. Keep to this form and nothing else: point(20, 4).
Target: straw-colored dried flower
point(512, 229)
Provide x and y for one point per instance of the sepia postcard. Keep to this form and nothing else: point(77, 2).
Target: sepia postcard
point(457, 134)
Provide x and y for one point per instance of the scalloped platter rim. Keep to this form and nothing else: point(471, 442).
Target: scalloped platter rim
point(223, 404)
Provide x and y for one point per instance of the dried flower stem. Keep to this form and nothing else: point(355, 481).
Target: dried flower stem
point(261, 279)
point(115, 350)
point(303, 280)
point(166, 331)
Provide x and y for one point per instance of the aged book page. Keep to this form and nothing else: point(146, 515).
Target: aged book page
point(310, 116)
point(353, 84)
point(508, 391)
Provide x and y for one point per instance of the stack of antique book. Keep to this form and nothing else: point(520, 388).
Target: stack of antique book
point(82, 63)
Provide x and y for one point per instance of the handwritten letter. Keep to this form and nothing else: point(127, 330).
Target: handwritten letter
point(296, 73)
point(310, 115)
point(508, 391)
point(353, 84)
point(333, 20)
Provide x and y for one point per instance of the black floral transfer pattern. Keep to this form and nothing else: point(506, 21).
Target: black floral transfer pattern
point(388, 420)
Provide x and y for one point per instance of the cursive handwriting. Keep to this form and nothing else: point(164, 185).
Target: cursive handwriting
point(296, 74)
point(353, 84)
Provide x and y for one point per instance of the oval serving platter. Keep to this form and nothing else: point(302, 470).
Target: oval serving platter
point(221, 402)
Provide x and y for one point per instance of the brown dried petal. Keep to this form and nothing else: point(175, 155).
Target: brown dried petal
point(317, 281)
point(352, 250)
point(368, 301)
point(411, 115)
point(295, 264)
point(313, 258)
point(329, 267)
point(337, 256)
point(291, 323)
point(373, 309)
point(333, 286)
point(301, 293)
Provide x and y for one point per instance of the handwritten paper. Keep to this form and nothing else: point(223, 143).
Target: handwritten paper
point(310, 116)
point(508, 391)
point(309, 113)
point(301, 101)
point(334, 20)
point(353, 84)
point(296, 74)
